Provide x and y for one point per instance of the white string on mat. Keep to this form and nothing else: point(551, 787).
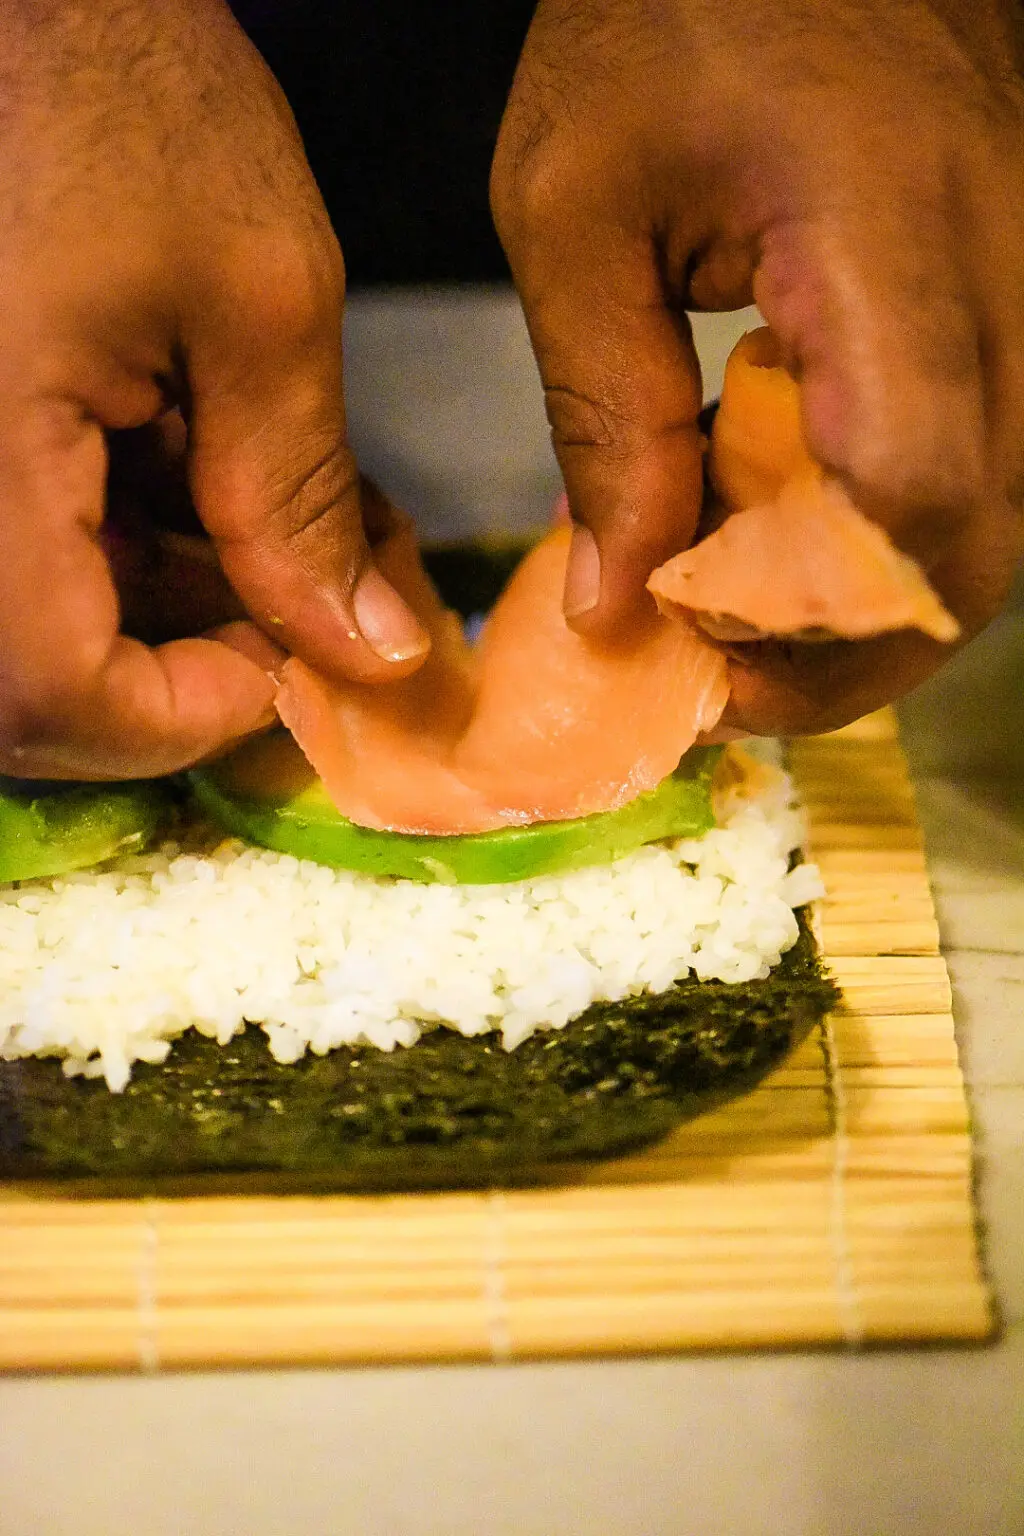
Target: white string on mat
point(850, 1318)
point(147, 1309)
point(495, 1294)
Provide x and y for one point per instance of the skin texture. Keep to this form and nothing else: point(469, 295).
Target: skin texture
point(163, 245)
point(857, 169)
point(168, 267)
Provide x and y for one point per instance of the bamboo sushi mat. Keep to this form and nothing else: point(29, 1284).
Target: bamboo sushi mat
point(832, 1205)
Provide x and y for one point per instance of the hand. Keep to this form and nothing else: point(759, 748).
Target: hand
point(857, 168)
point(162, 243)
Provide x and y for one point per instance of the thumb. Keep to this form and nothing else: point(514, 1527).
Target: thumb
point(277, 487)
point(623, 391)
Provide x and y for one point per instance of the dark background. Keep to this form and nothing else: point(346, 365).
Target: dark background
point(399, 106)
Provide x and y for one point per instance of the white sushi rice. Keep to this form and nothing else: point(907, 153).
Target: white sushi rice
point(107, 968)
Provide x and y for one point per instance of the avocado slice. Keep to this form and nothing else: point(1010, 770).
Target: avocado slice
point(50, 829)
point(296, 816)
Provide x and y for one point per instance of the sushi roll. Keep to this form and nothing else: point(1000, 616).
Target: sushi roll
point(213, 1005)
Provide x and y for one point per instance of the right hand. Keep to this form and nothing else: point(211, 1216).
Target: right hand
point(163, 243)
point(857, 168)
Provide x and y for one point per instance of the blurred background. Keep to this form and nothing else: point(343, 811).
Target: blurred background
point(399, 107)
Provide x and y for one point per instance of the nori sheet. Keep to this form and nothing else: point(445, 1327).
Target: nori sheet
point(448, 1112)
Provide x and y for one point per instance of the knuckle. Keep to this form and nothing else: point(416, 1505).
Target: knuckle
point(517, 191)
point(626, 429)
point(940, 488)
point(298, 288)
point(304, 495)
point(528, 173)
point(578, 420)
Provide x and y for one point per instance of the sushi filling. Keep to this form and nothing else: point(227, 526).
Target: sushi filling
point(107, 968)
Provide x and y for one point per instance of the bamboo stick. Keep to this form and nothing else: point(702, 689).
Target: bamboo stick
point(809, 1162)
point(911, 906)
point(879, 863)
point(887, 836)
point(879, 938)
point(860, 887)
point(875, 1233)
point(896, 1040)
point(69, 1339)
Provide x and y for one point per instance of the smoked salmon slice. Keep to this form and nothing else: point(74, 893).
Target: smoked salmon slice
point(757, 441)
point(807, 566)
point(795, 558)
point(535, 724)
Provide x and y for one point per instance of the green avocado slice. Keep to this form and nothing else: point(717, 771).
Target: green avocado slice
point(307, 825)
point(50, 829)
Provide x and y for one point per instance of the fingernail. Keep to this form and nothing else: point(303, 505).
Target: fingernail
point(387, 625)
point(582, 574)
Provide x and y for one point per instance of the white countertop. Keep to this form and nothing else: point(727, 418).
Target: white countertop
point(922, 1442)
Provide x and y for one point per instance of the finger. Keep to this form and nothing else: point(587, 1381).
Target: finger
point(997, 246)
point(276, 485)
point(870, 302)
point(78, 700)
point(795, 689)
point(799, 689)
point(622, 388)
point(241, 636)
